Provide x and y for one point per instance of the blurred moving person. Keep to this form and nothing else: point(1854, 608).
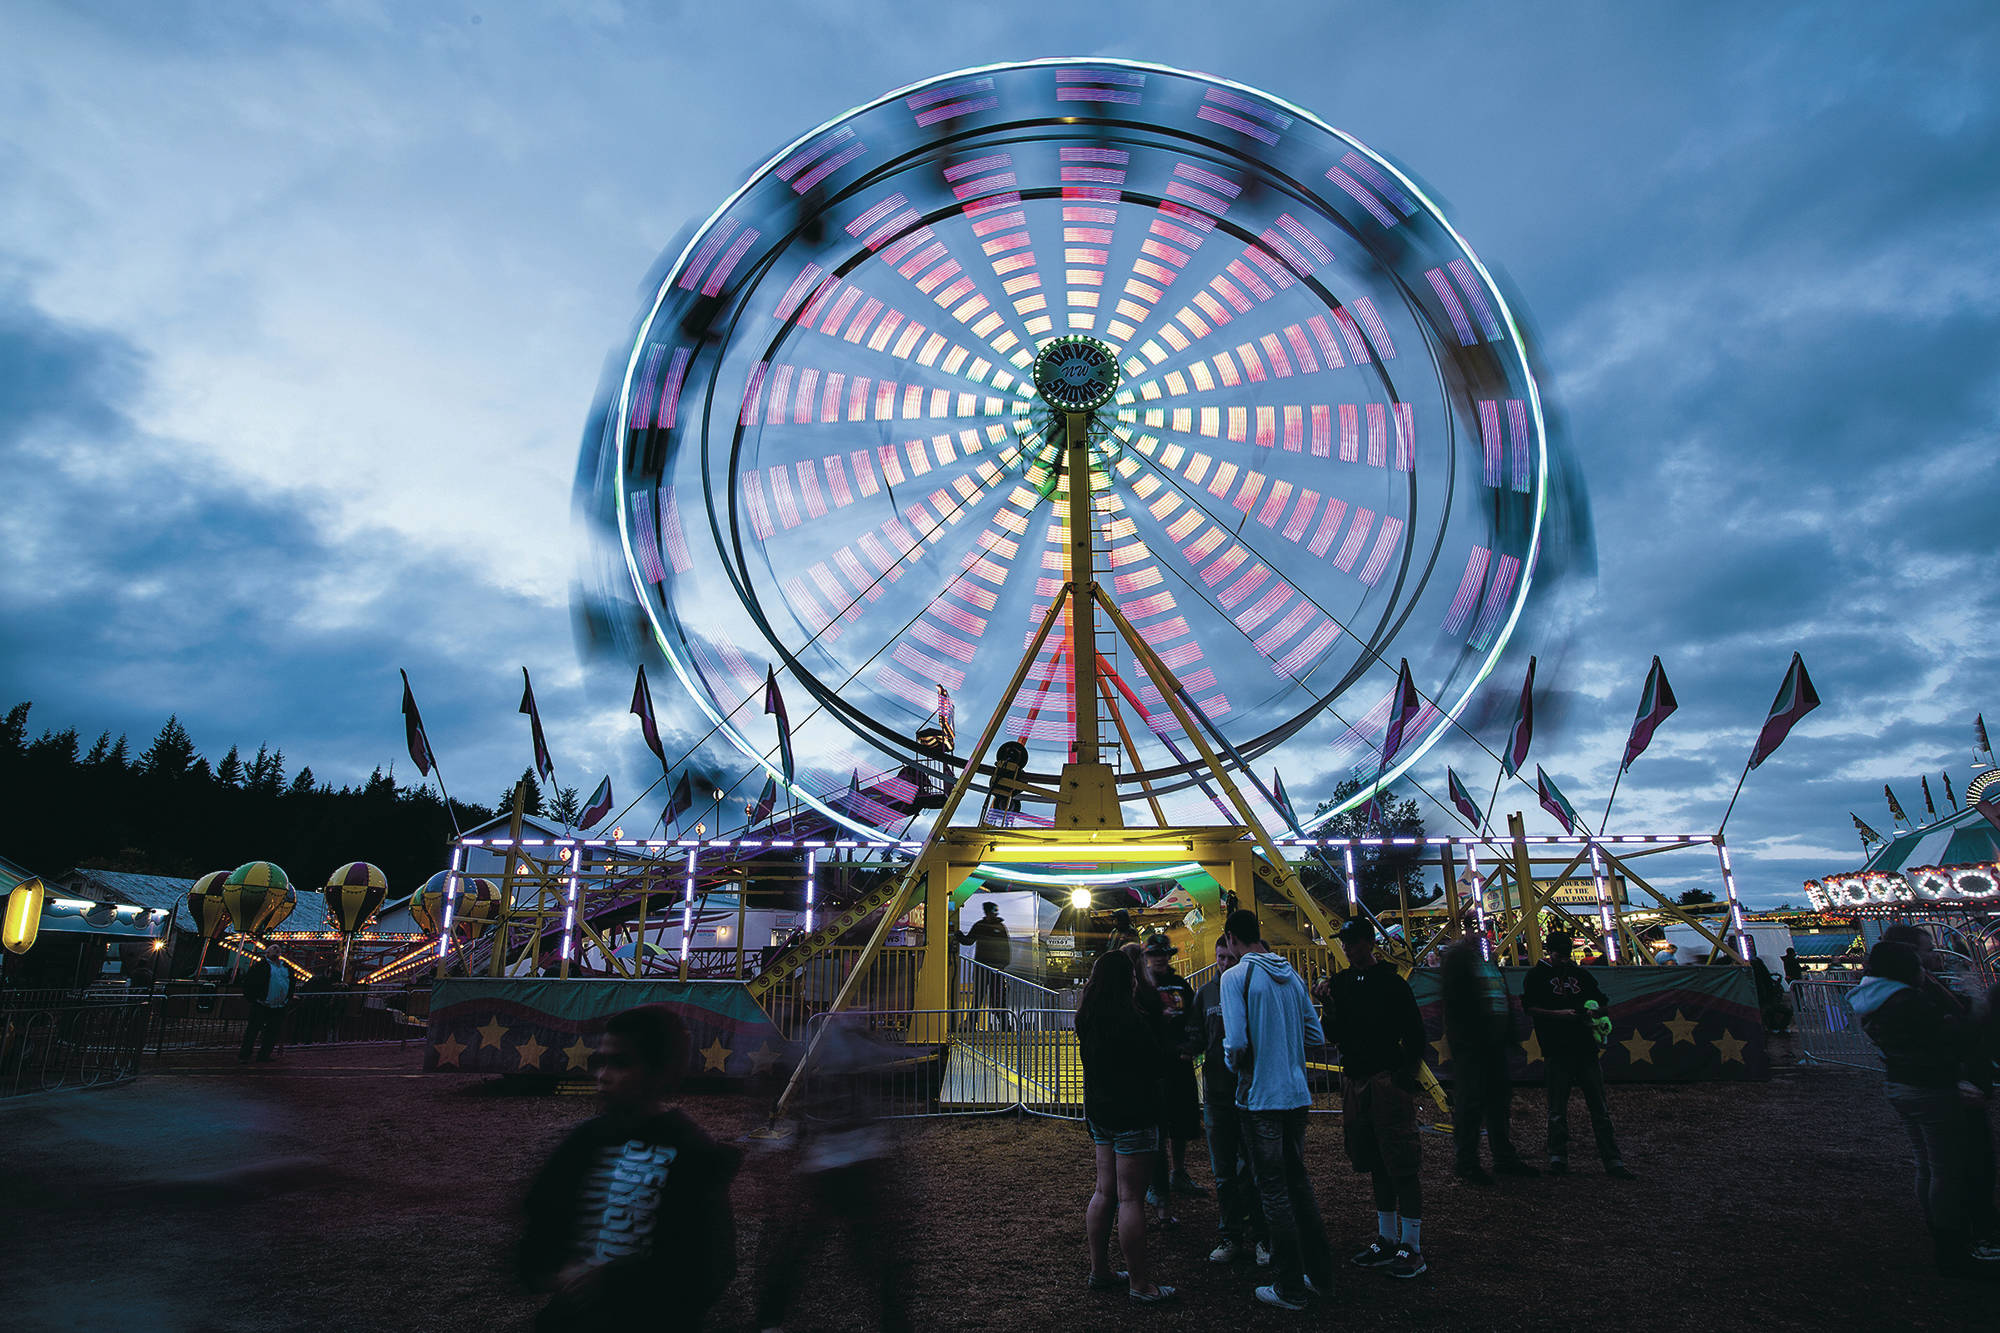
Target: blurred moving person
point(1925, 1043)
point(1119, 1040)
point(1372, 1016)
point(845, 1179)
point(1479, 1032)
point(1268, 1020)
point(629, 1222)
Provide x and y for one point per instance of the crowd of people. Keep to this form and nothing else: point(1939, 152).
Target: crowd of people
point(637, 1200)
point(1256, 1027)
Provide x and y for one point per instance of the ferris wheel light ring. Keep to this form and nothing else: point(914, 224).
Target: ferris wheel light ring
point(618, 423)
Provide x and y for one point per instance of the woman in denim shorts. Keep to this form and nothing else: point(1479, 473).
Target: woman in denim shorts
point(1123, 1051)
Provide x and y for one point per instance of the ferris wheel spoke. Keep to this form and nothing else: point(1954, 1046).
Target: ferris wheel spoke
point(1306, 516)
point(861, 323)
point(1247, 590)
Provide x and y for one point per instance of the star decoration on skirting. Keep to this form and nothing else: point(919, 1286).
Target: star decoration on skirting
point(1637, 1048)
point(1682, 1027)
point(1532, 1048)
point(1443, 1048)
point(714, 1056)
point(531, 1052)
point(491, 1033)
point(1731, 1047)
point(449, 1050)
point(764, 1058)
point(576, 1055)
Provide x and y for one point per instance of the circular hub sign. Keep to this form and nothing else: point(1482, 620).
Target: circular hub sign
point(1076, 374)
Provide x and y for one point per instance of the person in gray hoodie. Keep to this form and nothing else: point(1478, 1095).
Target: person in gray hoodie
point(1268, 1020)
point(1924, 1045)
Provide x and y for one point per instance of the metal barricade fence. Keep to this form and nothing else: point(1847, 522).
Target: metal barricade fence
point(890, 984)
point(1831, 1033)
point(906, 1063)
point(205, 1017)
point(73, 1045)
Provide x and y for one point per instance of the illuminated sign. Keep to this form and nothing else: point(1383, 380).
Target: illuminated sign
point(1920, 884)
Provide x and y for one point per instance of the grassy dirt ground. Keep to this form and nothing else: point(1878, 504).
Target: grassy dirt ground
point(341, 1189)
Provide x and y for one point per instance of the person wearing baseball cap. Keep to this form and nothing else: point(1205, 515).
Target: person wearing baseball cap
point(1372, 1016)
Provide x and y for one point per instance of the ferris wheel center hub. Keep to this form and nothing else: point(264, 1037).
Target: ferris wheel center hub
point(1076, 374)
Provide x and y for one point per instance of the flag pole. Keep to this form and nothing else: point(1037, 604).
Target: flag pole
point(1605, 822)
point(1732, 800)
point(1490, 800)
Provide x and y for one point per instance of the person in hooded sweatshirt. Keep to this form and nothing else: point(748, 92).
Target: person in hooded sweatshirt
point(629, 1222)
point(1268, 1020)
point(1924, 1045)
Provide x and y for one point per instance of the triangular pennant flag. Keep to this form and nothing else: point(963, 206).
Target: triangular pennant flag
point(1554, 801)
point(1930, 806)
point(1895, 808)
point(1979, 734)
point(642, 708)
point(413, 730)
point(1462, 798)
point(681, 801)
point(1796, 698)
point(1868, 835)
point(1524, 727)
point(1283, 801)
point(774, 703)
point(598, 807)
point(1402, 712)
point(1656, 701)
point(767, 801)
point(543, 764)
point(1948, 794)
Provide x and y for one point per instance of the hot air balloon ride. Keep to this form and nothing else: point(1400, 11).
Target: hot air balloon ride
point(353, 893)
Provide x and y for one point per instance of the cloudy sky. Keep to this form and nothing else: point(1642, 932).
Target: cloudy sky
point(302, 308)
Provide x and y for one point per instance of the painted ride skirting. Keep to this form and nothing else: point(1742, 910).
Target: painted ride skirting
point(507, 1025)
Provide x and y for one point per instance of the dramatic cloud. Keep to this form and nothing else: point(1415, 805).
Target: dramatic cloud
point(301, 309)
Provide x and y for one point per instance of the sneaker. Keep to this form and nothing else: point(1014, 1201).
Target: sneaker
point(1183, 1183)
point(1986, 1251)
point(1272, 1296)
point(1226, 1253)
point(1473, 1176)
point(1380, 1253)
point(1558, 1166)
point(1312, 1287)
point(1516, 1167)
point(1263, 1254)
point(1153, 1199)
point(1157, 1296)
point(1619, 1171)
point(1116, 1282)
point(1408, 1263)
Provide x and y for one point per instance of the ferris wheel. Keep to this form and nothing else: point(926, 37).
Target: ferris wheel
point(835, 444)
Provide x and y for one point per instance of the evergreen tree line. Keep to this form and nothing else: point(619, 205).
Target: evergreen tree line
point(169, 811)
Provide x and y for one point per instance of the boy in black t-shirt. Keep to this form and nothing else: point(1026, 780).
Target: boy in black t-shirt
point(629, 1221)
point(1554, 994)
